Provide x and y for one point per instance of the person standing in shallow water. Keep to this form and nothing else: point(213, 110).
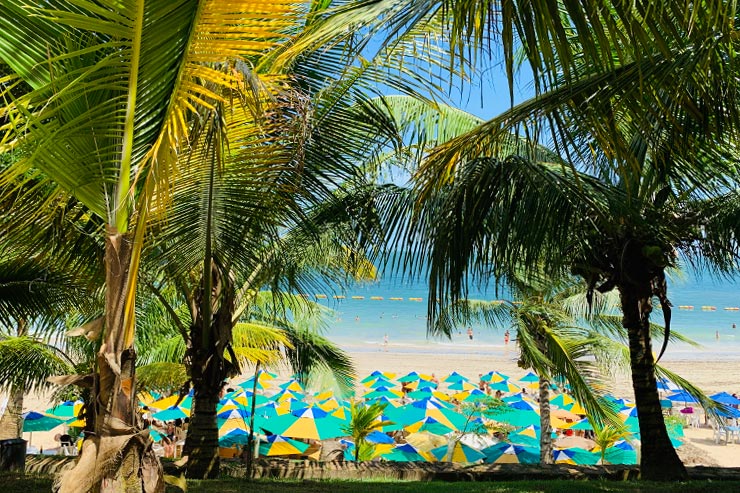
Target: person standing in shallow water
point(470, 333)
point(506, 338)
point(385, 343)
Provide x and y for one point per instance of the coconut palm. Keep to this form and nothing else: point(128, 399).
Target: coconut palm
point(113, 91)
point(364, 419)
point(550, 342)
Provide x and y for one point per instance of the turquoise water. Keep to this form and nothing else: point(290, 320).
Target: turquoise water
point(360, 324)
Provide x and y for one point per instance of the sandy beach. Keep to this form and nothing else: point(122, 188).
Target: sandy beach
point(710, 376)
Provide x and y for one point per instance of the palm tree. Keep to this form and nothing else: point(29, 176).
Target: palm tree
point(113, 92)
point(550, 342)
point(606, 436)
point(364, 419)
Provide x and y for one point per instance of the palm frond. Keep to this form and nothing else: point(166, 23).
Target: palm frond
point(28, 363)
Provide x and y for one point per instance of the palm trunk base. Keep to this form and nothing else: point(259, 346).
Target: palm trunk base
point(114, 464)
point(201, 444)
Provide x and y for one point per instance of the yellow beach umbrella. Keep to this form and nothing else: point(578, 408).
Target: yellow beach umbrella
point(577, 409)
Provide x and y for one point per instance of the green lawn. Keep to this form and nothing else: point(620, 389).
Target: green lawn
point(13, 483)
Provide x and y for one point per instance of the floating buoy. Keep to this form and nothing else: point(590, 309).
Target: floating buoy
point(358, 297)
point(733, 308)
point(339, 297)
point(685, 307)
point(396, 299)
point(414, 299)
point(376, 297)
point(708, 308)
point(320, 296)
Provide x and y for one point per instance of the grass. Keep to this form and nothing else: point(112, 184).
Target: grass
point(14, 483)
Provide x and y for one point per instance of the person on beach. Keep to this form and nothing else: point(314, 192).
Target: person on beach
point(716, 335)
point(470, 333)
point(506, 338)
point(385, 343)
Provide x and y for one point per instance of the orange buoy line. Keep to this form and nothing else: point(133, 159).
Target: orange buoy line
point(708, 308)
point(396, 299)
point(685, 307)
point(320, 296)
point(376, 297)
point(339, 297)
point(358, 297)
point(414, 299)
point(732, 308)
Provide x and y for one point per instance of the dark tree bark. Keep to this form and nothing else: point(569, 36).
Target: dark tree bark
point(208, 368)
point(658, 458)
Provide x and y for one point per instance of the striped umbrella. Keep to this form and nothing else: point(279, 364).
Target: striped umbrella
point(505, 386)
point(431, 425)
point(311, 423)
point(530, 377)
point(386, 392)
point(405, 453)
point(459, 453)
point(33, 421)
point(378, 374)
point(461, 385)
point(455, 377)
point(506, 453)
point(279, 445)
point(494, 376)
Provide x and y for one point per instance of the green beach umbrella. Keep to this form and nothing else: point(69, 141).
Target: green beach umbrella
point(506, 453)
point(386, 392)
point(311, 423)
point(431, 425)
point(404, 453)
point(505, 386)
point(462, 385)
point(380, 382)
point(237, 436)
point(410, 377)
point(171, 414)
point(460, 453)
point(455, 377)
point(530, 377)
point(66, 410)
point(583, 424)
point(33, 421)
point(417, 411)
point(377, 374)
point(515, 417)
point(279, 445)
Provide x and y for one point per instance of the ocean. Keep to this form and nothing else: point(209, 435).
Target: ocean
point(360, 323)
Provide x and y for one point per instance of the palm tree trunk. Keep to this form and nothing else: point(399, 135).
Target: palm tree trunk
point(201, 444)
point(659, 460)
point(118, 456)
point(11, 424)
point(545, 426)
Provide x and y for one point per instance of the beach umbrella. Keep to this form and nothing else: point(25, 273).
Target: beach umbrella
point(530, 377)
point(583, 424)
point(528, 436)
point(494, 376)
point(173, 401)
point(515, 417)
point(156, 436)
point(505, 386)
point(428, 393)
point(410, 377)
point(404, 453)
point(576, 408)
point(331, 404)
point(324, 395)
point(473, 395)
point(279, 445)
point(459, 453)
point(525, 405)
point(386, 392)
point(380, 382)
point(272, 409)
point(244, 397)
point(455, 377)
point(461, 385)
point(378, 374)
point(412, 413)
point(311, 423)
point(34, 421)
point(422, 383)
point(386, 401)
point(262, 384)
point(376, 436)
point(172, 413)
point(725, 398)
point(233, 414)
point(422, 403)
point(575, 455)
point(682, 396)
point(562, 400)
point(237, 436)
point(66, 410)
point(506, 453)
point(293, 386)
point(431, 425)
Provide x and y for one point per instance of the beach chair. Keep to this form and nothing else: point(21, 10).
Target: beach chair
point(721, 432)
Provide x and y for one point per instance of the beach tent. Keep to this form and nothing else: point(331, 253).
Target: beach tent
point(506, 453)
point(279, 445)
point(459, 453)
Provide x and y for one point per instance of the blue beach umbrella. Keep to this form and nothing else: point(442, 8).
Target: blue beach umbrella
point(682, 396)
point(530, 377)
point(279, 445)
point(233, 414)
point(410, 377)
point(237, 436)
point(725, 398)
point(376, 436)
